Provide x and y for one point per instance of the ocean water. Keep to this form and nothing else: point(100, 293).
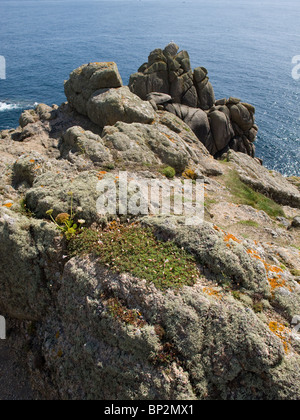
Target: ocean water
point(247, 47)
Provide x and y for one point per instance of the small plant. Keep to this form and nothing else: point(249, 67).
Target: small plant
point(236, 295)
point(128, 316)
point(166, 356)
point(169, 172)
point(110, 166)
point(258, 307)
point(65, 222)
point(24, 210)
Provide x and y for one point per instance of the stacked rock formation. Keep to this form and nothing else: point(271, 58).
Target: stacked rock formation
point(220, 125)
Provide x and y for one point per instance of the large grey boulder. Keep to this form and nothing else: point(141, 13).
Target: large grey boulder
point(60, 192)
point(89, 78)
point(196, 119)
point(215, 343)
point(222, 130)
point(206, 96)
point(242, 116)
point(148, 144)
point(113, 105)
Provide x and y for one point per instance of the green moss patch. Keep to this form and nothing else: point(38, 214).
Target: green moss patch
point(134, 249)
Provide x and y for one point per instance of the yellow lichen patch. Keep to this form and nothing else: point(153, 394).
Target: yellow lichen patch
point(283, 333)
point(189, 174)
point(212, 292)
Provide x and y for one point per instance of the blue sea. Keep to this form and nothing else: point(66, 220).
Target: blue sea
point(247, 46)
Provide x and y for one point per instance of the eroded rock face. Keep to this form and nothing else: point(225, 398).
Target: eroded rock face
point(168, 81)
point(272, 183)
point(88, 331)
point(28, 263)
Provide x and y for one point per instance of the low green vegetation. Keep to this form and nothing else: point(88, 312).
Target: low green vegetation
point(247, 196)
point(65, 222)
point(134, 249)
point(169, 172)
point(24, 210)
point(250, 223)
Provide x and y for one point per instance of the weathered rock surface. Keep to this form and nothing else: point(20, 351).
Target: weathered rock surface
point(113, 105)
point(267, 182)
point(28, 262)
point(168, 77)
point(87, 79)
point(89, 331)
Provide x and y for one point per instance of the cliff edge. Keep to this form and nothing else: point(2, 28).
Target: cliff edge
point(145, 306)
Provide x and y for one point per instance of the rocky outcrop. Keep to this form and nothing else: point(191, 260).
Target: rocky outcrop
point(168, 80)
point(267, 182)
point(127, 306)
point(88, 79)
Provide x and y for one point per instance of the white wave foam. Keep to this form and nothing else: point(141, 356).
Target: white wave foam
point(8, 107)
point(4, 106)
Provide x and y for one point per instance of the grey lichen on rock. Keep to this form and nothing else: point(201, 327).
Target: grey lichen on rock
point(110, 106)
point(52, 191)
point(85, 143)
point(89, 78)
point(28, 262)
point(88, 327)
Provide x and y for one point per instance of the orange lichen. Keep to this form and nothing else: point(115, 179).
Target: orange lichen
point(274, 273)
point(8, 205)
point(101, 175)
point(212, 292)
point(229, 237)
point(169, 137)
point(281, 332)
